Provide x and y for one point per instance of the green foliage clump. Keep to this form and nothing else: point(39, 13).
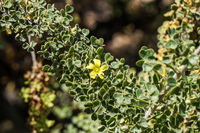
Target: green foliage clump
point(164, 99)
point(39, 98)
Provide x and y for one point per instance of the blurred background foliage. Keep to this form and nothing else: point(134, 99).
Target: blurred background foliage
point(125, 25)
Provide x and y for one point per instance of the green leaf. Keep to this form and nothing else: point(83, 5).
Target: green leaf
point(30, 33)
point(106, 97)
point(135, 129)
point(50, 123)
point(96, 103)
point(20, 37)
point(143, 122)
point(95, 84)
point(186, 63)
point(71, 50)
point(119, 98)
point(101, 128)
point(78, 90)
point(151, 123)
point(171, 44)
point(157, 67)
point(156, 78)
point(142, 53)
point(115, 64)
point(119, 76)
point(62, 81)
point(112, 89)
point(70, 18)
point(150, 87)
point(30, 49)
point(193, 59)
point(77, 63)
point(164, 129)
point(197, 15)
point(25, 45)
point(140, 63)
point(47, 55)
point(82, 97)
point(108, 57)
point(142, 81)
point(123, 108)
point(94, 117)
point(167, 59)
point(147, 67)
point(140, 94)
point(171, 32)
point(69, 9)
point(93, 39)
point(169, 14)
point(171, 82)
point(155, 95)
point(125, 128)
point(144, 48)
point(130, 111)
point(22, 21)
point(100, 50)
point(127, 99)
point(8, 4)
point(69, 62)
point(122, 60)
point(49, 7)
point(44, 27)
point(89, 104)
point(45, 68)
point(102, 91)
point(186, 52)
point(68, 83)
point(55, 65)
point(72, 92)
point(120, 116)
point(187, 41)
point(160, 44)
point(146, 53)
point(85, 31)
point(174, 7)
point(100, 41)
point(62, 13)
point(111, 120)
point(33, 44)
point(88, 110)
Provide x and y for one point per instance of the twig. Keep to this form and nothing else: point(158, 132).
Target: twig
point(32, 53)
point(183, 68)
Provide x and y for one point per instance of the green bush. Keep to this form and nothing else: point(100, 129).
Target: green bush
point(163, 98)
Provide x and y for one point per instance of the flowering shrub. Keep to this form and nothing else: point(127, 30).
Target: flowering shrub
point(164, 98)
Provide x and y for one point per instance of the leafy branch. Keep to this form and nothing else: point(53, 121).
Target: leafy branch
point(176, 76)
point(121, 101)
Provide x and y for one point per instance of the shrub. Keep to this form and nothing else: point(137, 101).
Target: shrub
point(163, 98)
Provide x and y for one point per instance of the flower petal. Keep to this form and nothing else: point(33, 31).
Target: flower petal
point(93, 75)
point(103, 67)
point(101, 76)
point(97, 62)
point(90, 66)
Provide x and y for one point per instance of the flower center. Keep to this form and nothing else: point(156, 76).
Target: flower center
point(97, 69)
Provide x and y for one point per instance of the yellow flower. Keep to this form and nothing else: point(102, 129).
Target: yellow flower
point(198, 71)
point(160, 53)
point(8, 31)
point(96, 69)
point(164, 71)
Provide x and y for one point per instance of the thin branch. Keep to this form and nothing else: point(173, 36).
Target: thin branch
point(32, 53)
point(183, 68)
